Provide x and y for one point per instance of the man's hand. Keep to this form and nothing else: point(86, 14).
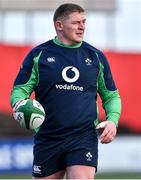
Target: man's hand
point(15, 107)
point(109, 131)
point(17, 104)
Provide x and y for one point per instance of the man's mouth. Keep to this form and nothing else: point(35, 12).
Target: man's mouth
point(80, 34)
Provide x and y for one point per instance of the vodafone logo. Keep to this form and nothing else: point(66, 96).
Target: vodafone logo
point(70, 74)
point(68, 79)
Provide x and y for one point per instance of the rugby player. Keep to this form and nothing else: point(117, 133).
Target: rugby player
point(66, 75)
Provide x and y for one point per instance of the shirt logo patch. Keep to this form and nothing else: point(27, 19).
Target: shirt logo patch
point(51, 59)
point(89, 156)
point(88, 62)
point(37, 169)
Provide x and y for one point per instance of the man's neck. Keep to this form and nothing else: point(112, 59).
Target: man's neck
point(63, 44)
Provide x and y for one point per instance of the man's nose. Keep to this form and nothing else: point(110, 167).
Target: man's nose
point(81, 26)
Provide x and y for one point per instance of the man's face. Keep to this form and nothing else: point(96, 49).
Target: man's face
point(72, 28)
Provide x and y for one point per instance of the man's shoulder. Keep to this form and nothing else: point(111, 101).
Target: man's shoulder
point(91, 47)
point(99, 53)
point(43, 46)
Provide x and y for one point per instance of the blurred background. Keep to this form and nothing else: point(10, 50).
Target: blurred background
point(114, 26)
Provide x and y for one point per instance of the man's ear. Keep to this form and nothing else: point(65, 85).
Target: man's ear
point(58, 25)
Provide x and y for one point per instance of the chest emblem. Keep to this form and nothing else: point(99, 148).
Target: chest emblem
point(88, 62)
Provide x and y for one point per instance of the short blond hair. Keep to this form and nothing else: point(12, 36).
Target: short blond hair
point(66, 9)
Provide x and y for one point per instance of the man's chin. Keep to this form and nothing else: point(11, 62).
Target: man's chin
point(79, 40)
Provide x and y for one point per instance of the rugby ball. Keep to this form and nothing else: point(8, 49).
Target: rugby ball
point(29, 113)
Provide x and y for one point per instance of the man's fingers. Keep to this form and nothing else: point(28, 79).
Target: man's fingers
point(105, 132)
point(17, 104)
point(107, 138)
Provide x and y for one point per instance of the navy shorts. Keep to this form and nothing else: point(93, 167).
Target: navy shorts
point(54, 155)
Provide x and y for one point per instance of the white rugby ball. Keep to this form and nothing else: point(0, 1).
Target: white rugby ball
point(30, 114)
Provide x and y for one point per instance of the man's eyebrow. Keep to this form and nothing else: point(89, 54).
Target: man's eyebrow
point(79, 20)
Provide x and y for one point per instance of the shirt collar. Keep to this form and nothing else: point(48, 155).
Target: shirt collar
point(56, 41)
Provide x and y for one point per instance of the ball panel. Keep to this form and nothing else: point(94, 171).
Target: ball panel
point(36, 121)
point(38, 106)
point(19, 116)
